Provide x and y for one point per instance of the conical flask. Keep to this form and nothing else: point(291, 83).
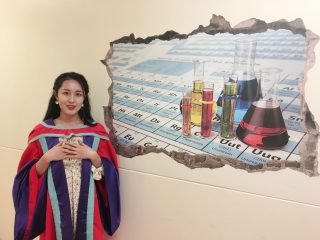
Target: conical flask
point(263, 125)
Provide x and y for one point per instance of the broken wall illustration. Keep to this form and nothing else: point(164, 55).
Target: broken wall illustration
point(151, 75)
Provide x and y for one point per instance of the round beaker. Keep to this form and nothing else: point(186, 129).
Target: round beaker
point(243, 68)
point(263, 125)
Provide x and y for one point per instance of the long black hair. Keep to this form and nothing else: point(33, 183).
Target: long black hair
point(53, 110)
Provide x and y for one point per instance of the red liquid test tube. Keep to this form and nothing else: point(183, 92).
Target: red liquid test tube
point(186, 115)
point(206, 116)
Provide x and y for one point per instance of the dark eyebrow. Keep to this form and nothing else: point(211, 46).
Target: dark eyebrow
point(65, 89)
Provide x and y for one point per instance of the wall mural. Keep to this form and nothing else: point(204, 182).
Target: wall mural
point(216, 96)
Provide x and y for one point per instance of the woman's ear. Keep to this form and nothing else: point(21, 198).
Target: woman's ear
point(55, 94)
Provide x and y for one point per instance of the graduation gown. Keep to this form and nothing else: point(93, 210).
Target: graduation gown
point(42, 203)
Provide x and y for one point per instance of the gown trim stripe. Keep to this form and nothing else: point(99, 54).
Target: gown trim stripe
point(67, 136)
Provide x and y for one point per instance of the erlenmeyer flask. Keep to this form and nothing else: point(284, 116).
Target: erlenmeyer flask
point(263, 125)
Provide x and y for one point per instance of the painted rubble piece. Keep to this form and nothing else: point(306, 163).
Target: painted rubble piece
point(308, 146)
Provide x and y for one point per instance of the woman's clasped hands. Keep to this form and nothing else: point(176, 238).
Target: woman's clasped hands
point(66, 149)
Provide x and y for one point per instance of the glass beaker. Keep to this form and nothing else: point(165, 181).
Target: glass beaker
point(243, 73)
point(243, 69)
point(229, 99)
point(263, 125)
point(206, 112)
point(197, 92)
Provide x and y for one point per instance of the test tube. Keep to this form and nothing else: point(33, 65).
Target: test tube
point(206, 115)
point(197, 91)
point(186, 115)
point(228, 106)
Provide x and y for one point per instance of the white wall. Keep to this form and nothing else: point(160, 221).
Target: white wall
point(41, 39)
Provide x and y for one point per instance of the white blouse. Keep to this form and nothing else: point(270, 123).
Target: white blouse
point(72, 168)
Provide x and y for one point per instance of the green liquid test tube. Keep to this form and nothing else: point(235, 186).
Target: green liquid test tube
point(228, 107)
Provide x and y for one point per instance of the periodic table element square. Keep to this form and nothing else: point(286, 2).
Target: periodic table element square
point(294, 157)
point(183, 87)
point(118, 86)
point(132, 88)
point(294, 139)
point(154, 92)
point(152, 123)
point(171, 96)
point(130, 79)
point(195, 140)
point(119, 129)
point(117, 97)
point(129, 100)
point(144, 89)
point(134, 117)
point(291, 80)
point(227, 147)
point(165, 67)
point(152, 142)
point(122, 78)
point(163, 83)
point(284, 102)
point(297, 149)
point(130, 137)
point(293, 121)
point(171, 130)
point(295, 106)
point(215, 124)
point(254, 156)
point(177, 149)
point(146, 81)
point(288, 90)
point(121, 111)
point(116, 105)
point(153, 106)
point(179, 118)
point(171, 111)
point(140, 101)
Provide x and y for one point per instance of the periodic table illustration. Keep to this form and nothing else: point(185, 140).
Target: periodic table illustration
point(149, 80)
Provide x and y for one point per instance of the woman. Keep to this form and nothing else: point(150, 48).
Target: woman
point(67, 184)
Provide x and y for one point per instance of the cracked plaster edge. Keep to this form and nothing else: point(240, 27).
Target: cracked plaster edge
point(308, 150)
point(309, 146)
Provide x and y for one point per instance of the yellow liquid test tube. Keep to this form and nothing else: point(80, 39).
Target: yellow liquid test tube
point(196, 109)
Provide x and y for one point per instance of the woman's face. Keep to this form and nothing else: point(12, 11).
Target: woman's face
point(70, 97)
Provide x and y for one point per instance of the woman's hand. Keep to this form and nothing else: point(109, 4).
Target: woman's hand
point(82, 151)
point(56, 153)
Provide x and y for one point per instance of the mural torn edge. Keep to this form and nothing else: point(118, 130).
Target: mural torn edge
point(308, 149)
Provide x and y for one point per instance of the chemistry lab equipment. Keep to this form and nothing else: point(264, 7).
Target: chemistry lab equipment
point(196, 93)
point(206, 112)
point(229, 98)
point(243, 70)
point(263, 125)
point(186, 115)
point(243, 73)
